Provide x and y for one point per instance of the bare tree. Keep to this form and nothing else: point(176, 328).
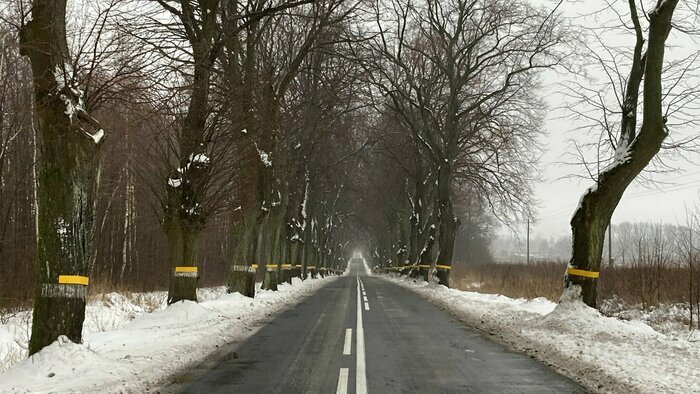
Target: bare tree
point(459, 75)
point(636, 146)
point(269, 65)
point(18, 151)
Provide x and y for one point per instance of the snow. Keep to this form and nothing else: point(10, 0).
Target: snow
point(303, 204)
point(264, 156)
point(62, 227)
point(623, 154)
point(604, 354)
point(133, 343)
point(60, 72)
point(97, 137)
point(174, 182)
point(191, 210)
point(590, 190)
point(669, 319)
point(64, 75)
point(70, 107)
point(199, 158)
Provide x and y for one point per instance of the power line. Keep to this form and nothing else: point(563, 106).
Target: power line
point(645, 193)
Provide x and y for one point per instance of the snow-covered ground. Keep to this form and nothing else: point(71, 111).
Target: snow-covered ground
point(133, 342)
point(604, 354)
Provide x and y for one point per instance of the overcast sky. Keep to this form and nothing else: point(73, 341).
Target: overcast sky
point(559, 197)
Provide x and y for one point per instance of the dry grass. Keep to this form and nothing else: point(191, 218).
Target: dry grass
point(635, 285)
point(512, 280)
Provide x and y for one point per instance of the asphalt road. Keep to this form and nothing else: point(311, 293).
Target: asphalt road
point(361, 334)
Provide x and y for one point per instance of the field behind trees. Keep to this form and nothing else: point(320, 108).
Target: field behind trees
point(655, 270)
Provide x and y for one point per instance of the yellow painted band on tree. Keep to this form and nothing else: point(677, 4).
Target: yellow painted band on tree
point(185, 269)
point(583, 273)
point(272, 266)
point(311, 267)
point(286, 266)
point(73, 280)
point(424, 266)
point(254, 266)
point(443, 267)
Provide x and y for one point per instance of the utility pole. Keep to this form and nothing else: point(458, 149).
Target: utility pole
point(528, 240)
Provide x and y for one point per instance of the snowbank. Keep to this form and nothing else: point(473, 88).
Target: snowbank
point(132, 344)
point(603, 354)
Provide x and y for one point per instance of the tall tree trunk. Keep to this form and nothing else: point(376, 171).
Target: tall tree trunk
point(416, 221)
point(184, 217)
point(182, 225)
point(448, 225)
point(67, 180)
point(633, 153)
point(182, 243)
point(129, 213)
point(426, 254)
point(242, 272)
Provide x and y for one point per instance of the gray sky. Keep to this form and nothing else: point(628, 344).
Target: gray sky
point(559, 197)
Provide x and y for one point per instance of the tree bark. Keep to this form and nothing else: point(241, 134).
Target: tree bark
point(447, 224)
point(426, 254)
point(270, 280)
point(242, 273)
point(183, 262)
point(242, 280)
point(184, 217)
point(67, 180)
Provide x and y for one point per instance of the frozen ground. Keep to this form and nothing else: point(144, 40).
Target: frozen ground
point(605, 354)
point(133, 343)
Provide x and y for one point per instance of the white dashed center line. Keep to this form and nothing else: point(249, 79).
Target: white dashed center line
point(348, 341)
point(342, 381)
